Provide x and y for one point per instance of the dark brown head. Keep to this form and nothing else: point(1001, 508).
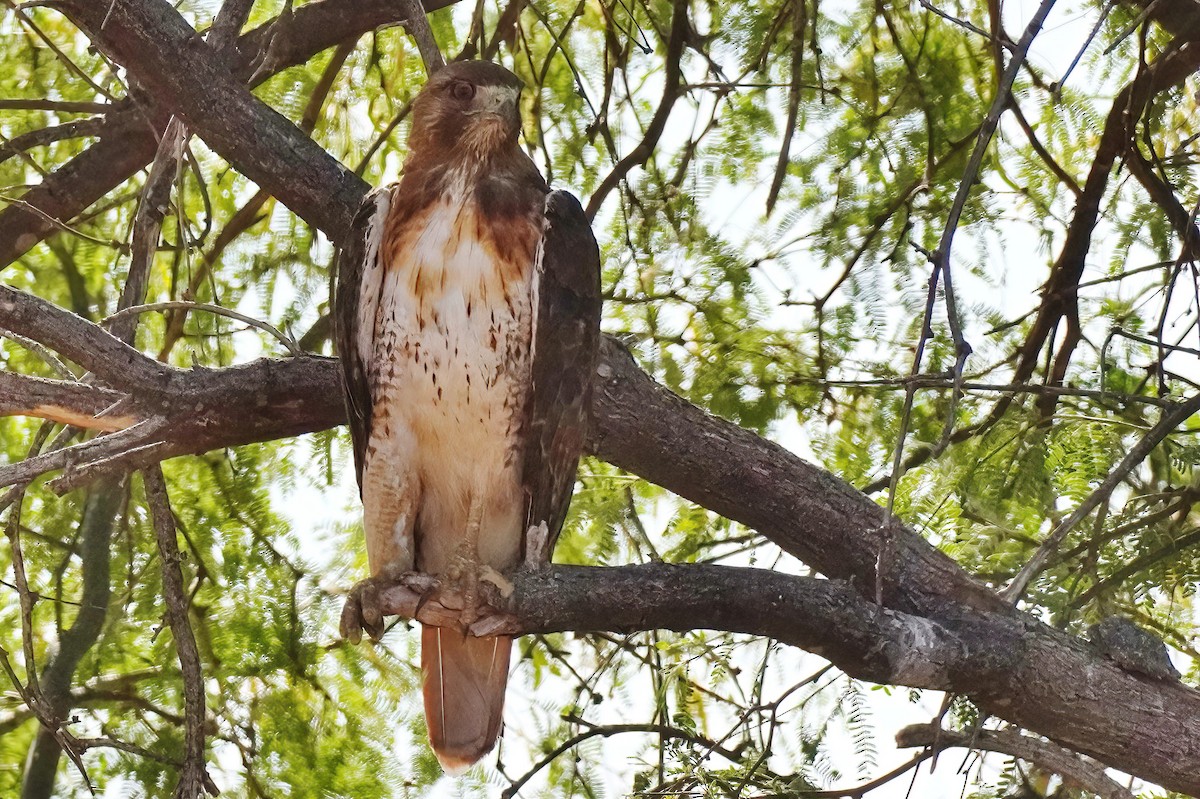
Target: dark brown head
point(467, 107)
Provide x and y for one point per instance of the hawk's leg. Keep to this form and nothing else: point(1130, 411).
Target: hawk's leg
point(469, 574)
point(390, 498)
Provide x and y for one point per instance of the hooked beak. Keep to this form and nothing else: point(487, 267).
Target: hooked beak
point(499, 101)
point(509, 112)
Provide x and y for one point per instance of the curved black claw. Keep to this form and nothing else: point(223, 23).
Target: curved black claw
point(362, 611)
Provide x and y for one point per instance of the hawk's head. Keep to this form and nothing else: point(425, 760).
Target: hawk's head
point(466, 107)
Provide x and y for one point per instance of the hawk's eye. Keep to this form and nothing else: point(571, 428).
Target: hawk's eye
point(462, 91)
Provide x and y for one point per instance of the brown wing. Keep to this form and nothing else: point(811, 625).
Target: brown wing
point(566, 336)
point(358, 281)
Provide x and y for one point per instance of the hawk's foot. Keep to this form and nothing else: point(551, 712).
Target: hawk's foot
point(364, 610)
point(482, 588)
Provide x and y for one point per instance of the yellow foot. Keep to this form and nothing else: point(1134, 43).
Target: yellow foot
point(364, 609)
point(475, 588)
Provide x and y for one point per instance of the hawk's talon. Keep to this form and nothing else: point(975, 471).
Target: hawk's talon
point(364, 610)
point(361, 612)
point(426, 587)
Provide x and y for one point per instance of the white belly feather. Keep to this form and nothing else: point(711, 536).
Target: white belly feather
point(452, 366)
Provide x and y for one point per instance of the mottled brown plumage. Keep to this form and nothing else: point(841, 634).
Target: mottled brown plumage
point(467, 320)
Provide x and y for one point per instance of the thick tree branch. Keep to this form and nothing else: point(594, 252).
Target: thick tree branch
point(174, 61)
point(128, 141)
point(1015, 668)
point(61, 401)
point(78, 340)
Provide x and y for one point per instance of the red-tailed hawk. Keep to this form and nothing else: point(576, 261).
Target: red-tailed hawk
point(467, 315)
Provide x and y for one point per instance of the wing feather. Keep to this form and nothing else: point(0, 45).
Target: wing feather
point(565, 341)
point(357, 285)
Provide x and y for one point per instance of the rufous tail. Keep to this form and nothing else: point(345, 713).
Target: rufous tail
point(464, 682)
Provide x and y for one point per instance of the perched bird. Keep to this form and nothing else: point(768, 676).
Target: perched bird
point(466, 314)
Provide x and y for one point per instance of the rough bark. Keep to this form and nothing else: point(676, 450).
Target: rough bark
point(1012, 666)
point(175, 62)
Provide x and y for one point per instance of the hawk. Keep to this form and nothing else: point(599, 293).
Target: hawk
point(466, 313)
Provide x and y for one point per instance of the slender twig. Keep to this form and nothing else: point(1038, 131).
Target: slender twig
point(1128, 30)
point(53, 47)
point(1167, 423)
point(1153, 342)
point(58, 223)
point(930, 381)
point(1174, 546)
point(970, 175)
point(857, 791)
point(47, 357)
point(941, 268)
point(1108, 6)
point(55, 133)
point(193, 779)
point(658, 122)
point(966, 25)
point(285, 339)
point(1087, 774)
point(609, 730)
point(417, 25)
point(133, 749)
point(58, 106)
